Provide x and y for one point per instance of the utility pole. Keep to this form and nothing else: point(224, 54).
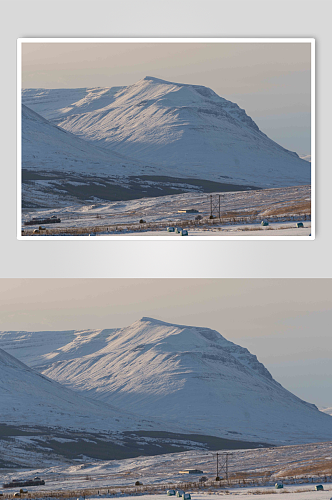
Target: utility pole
point(215, 205)
point(223, 466)
point(217, 476)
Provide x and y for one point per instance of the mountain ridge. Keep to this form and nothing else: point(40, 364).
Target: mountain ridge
point(182, 374)
point(178, 130)
point(31, 398)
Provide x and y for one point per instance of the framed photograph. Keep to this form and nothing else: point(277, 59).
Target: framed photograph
point(165, 138)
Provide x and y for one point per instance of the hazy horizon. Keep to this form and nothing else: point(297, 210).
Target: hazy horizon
point(271, 81)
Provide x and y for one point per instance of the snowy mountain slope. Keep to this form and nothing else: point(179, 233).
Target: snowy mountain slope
point(48, 147)
point(55, 103)
point(188, 376)
point(31, 347)
point(60, 169)
point(42, 422)
point(29, 398)
point(188, 130)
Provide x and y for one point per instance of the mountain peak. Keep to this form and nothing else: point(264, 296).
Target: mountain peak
point(153, 79)
point(154, 321)
point(201, 89)
point(179, 130)
point(179, 374)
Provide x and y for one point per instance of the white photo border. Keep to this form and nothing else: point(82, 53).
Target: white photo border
point(20, 42)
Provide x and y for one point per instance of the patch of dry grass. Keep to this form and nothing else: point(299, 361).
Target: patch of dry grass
point(320, 468)
point(296, 208)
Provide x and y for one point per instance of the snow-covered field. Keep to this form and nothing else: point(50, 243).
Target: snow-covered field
point(241, 214)
point(287, 229)
point(251, 494)
point(299, 467)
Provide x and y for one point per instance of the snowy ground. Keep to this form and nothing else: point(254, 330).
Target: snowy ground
point(274, 229)
point(266, 493)
point(300, 467)
point(241, 215)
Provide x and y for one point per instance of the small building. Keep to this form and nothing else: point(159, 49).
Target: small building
point(171, 493)
point(319, 487)
point(179, 493)
point(264, 223)
point(299, 224)
point(188, 211)
point(191, 471)
point(278, 485)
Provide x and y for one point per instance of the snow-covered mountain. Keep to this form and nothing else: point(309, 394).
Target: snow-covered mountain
point(60, 169)
point(42, 422)
point(29, 398)
point(182, 130)
point(48, 147)
point(183, 375)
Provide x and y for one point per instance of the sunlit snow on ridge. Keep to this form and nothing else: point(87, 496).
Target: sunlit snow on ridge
point(176, 128)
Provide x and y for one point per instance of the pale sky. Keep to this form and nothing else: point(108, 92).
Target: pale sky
point(271, 81)
point(285, 322)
